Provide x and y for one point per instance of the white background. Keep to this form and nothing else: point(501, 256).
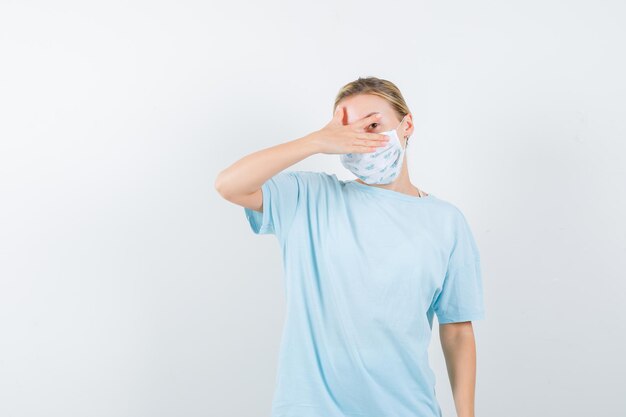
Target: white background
point(128, 287)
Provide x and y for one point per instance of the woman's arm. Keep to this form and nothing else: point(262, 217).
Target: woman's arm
point(241, 182)
point(459, 349)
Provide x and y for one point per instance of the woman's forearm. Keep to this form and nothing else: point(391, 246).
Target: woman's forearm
point(459, 348)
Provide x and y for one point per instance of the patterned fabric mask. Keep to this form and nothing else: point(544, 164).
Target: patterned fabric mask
point(381, 166)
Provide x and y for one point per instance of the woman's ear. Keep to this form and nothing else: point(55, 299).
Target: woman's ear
point(409, 128)
point(409, 125)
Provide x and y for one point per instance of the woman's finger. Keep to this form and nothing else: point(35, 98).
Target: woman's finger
point(363, 149)
point(375, 143)
point(369, 143)
point(372, 136)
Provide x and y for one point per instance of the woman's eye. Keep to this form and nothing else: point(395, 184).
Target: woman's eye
point(373, 125)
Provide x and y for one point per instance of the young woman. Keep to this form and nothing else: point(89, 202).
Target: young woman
point(367, 264)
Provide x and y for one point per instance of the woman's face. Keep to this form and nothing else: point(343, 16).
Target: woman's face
point(361, 106)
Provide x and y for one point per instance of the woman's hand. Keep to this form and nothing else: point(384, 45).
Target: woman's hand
point(337, 138)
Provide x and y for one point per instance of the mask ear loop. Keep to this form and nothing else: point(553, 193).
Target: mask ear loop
point(406, 138)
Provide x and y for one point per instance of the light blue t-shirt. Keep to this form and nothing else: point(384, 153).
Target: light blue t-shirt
point(365, 270)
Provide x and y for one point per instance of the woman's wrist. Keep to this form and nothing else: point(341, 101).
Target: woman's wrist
point(310, 143)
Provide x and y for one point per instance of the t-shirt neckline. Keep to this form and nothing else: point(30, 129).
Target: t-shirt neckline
point(391, 193)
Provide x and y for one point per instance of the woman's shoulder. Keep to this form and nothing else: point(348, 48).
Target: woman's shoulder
point(445, 204)
point(453, 218)
point(307, 173)
point(313, 178)
point(449, 210)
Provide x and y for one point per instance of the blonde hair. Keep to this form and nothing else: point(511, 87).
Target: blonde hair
point(378, 87)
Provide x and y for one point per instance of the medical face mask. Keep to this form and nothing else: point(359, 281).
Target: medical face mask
point(381, 166)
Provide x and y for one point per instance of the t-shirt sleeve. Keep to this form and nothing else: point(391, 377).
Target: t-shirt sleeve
point(282, 195)
point(461, 295)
